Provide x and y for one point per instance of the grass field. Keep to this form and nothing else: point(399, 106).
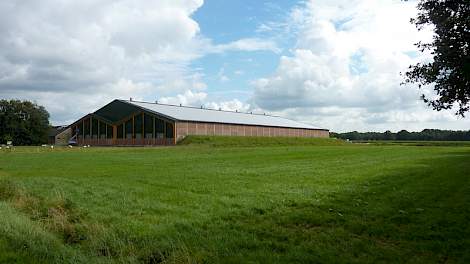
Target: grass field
point(415, 143)
point(215, 202)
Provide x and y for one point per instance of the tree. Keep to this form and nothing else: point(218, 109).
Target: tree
point(426, 134)
point(388, 135)
point(403, 135)
point(23, 122)
point(449, 71)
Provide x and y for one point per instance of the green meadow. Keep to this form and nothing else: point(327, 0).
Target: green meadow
point(235, 200)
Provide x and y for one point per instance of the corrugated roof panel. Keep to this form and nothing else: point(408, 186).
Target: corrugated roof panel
point(183, 113)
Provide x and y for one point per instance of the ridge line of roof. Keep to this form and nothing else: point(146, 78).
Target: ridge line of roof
point(210, 109)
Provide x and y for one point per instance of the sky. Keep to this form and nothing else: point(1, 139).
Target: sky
point(334, 64)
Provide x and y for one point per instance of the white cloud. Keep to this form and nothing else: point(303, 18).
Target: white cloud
point(246, 44)
point(189, 98)
point(94, 51)
point(344, 71)
point(231, 105)
point(97, 50)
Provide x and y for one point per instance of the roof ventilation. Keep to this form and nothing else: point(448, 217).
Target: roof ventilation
point(202, 106)
point(181, 105)
point(130, 99)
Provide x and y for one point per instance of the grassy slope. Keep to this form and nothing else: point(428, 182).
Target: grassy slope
point(265, 204)
point(234, 141)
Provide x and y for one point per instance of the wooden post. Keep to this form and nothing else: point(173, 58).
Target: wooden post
point(91, 127)
point(114, 134)
point(98, 133)
point(174, 133)
point(83, 129)
point(153, 129)
point(164, 129)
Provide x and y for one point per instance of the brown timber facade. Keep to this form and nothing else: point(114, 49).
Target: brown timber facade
point(185, 128)
point(122, 124)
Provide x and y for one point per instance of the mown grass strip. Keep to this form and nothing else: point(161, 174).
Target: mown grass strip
point(239, 141)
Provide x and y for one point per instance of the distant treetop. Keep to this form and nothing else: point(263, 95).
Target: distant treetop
point(426, 134)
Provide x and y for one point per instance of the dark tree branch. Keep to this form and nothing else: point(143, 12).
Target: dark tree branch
point(449, 71)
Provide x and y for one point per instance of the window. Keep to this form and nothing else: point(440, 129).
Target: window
point(169, 130)
point(120, 131)
point(129, 128)
point(138, 126)
point(110, 131)
point(94, 128)
point(86, 129)
point(148, 126)
point(159, 128)
point(102, 130)
point(79, 130)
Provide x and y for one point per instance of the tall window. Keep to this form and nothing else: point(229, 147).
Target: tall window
point(159, 128)
point(129, 128)
point(138, 126)
point(86, 129)
point(94, 128)
point(110, 131)
point(120, 131)
point(79, 130)
point(102, 130)
point(169, 130)
point(148, 126)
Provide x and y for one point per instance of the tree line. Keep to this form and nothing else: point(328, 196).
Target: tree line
point(23, 123)
point(425, 135)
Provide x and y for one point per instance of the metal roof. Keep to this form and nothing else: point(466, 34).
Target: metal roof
point(185, 113)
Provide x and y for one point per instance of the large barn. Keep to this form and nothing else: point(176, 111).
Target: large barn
point(129, 122)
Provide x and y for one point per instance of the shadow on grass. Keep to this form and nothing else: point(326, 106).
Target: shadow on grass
point(417, 215)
